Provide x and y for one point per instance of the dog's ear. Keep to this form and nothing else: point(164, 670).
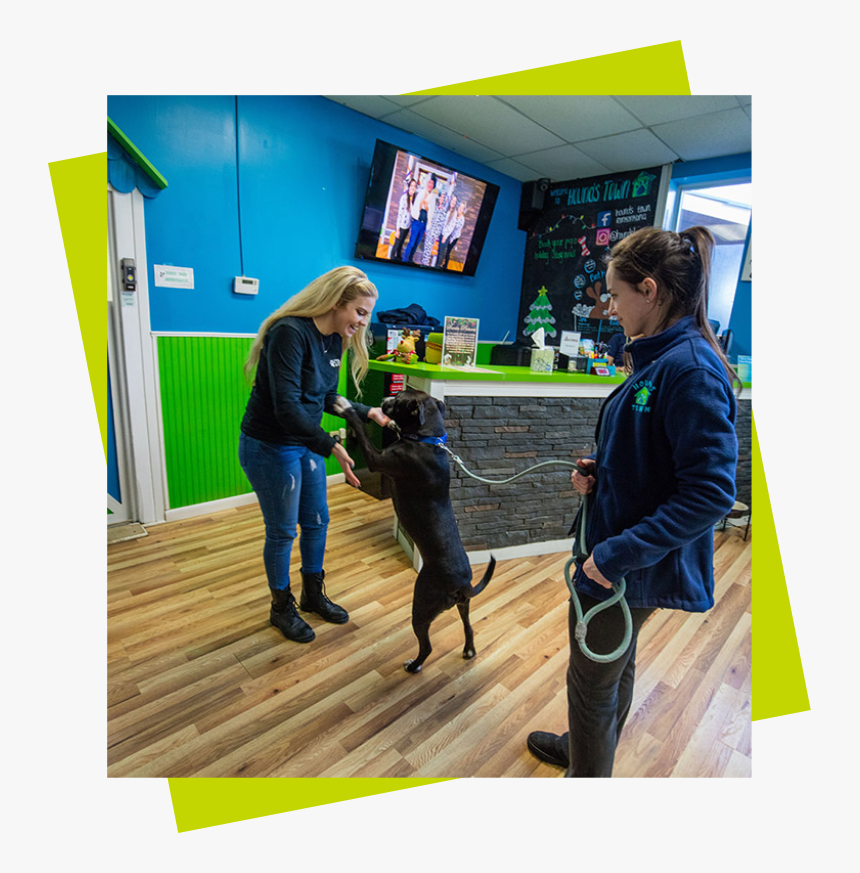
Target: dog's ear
point(440, 405)
point(416, 408)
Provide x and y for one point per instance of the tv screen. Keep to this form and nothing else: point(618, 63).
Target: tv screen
point(420, 213)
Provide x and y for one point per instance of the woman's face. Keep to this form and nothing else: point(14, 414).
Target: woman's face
point(453, 201)
point(413, 185)
point(635, 307)
point(349, 317)
point(430, 184)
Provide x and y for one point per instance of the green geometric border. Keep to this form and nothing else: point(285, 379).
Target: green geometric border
point(79, 188)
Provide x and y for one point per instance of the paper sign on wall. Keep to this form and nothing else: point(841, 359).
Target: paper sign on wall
point(167, 276)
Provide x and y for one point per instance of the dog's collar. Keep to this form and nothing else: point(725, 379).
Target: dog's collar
point(433, 440)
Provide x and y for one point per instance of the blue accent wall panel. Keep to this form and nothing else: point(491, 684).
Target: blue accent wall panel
point(303, 169)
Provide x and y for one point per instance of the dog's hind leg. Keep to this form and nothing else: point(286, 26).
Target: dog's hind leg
point(421, 627)
point(469, 648)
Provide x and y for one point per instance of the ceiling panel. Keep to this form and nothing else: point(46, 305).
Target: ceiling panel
point(368, 104)
point(629, 151)
point(576, 118)
point(489, 121)
point(660, 109)
point(569, 137)
point(563, 163)
point(706, 136)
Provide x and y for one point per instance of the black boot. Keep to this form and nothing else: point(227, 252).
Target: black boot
point(285, 618)
point(313, 599)
point(549, 747)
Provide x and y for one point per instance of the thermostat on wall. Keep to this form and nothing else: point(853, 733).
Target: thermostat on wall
point(244, 285)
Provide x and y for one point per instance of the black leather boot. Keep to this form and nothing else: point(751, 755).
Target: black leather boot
point(314, 600)
point(549, 747)
point(285, 618)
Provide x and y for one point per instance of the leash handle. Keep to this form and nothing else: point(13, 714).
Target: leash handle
point(582, 621)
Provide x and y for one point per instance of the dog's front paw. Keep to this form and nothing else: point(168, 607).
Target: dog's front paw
point(407, 666)
point(468, 654)
point(341, 405)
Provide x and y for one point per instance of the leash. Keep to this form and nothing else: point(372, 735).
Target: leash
point(582, 621)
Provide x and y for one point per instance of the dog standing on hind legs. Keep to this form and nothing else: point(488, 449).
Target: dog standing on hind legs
point(420, 475)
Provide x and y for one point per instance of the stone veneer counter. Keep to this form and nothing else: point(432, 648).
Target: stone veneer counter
point(502, 420)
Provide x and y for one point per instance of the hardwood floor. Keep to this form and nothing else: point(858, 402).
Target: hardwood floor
point(200, 684)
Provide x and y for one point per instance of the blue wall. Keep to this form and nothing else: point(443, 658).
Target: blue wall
point(717, 170)
point(303, 169)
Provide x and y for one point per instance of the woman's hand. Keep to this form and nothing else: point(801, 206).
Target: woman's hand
point(346, 464)
point(376, 414)
point(583, 484)
point(590, 570)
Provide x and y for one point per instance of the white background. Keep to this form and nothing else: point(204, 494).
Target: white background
point(58, 66)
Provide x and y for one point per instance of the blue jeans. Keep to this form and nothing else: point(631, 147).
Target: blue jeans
point(599, 695)
point(290, 484)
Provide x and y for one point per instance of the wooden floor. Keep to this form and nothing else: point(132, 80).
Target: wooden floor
point(200, 684)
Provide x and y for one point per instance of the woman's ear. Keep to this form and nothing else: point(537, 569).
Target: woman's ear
point(649, 288)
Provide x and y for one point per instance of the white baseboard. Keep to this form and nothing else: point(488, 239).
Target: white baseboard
point(209, 507)
point(228, 503)
point(527, 550)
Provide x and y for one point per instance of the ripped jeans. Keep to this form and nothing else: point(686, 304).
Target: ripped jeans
point(290, 484)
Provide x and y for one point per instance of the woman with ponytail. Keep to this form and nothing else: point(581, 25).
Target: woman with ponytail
point(661, 476)
point(296, 360)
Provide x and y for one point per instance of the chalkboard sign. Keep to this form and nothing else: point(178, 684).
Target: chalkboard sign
point(564, 277)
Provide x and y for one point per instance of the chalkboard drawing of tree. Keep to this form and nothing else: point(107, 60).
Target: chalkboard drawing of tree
point(539, 315)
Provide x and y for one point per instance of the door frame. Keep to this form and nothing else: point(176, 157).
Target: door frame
point(136, 373)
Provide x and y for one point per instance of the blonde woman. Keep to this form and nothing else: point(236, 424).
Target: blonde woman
point(297, 356)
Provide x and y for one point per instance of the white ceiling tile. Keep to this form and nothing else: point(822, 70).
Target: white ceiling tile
point(368, 104)
point(576, 117)
point(488, 121)
point(407, 120)
point(407, 100)
point(659, 109)
point(515, 169)
point(708, 136)
point(562, 164)
point(629, 151)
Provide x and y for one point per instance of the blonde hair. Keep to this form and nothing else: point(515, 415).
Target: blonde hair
point(334, 288)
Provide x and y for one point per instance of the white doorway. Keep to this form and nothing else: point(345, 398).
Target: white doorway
point(136, 485)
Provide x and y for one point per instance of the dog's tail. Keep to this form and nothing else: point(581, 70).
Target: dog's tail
point(488, 573)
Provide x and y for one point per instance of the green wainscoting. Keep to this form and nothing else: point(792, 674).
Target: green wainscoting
point(203, 397)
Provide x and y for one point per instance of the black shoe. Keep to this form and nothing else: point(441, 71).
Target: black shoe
point(314, 600)
point(550, 748)
point(285, 618)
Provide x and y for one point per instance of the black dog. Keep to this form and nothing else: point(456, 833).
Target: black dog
point(420, 476)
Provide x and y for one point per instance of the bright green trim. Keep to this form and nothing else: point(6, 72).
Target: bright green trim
point(136, 155)
point(493, 373)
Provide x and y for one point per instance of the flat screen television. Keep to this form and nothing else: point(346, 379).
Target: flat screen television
point(420, 213)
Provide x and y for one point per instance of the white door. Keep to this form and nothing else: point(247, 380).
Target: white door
point(136, 488)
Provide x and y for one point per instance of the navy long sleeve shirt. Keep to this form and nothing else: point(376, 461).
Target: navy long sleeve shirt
point(296, 382)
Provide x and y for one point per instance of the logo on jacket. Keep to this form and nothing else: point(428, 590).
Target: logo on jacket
point(335, 362)
point(644, 392)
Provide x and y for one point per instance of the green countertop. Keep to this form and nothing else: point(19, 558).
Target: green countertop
point(491, 373)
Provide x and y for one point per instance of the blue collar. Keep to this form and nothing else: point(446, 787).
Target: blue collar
point(433, 440)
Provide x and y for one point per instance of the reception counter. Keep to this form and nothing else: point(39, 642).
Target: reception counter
point(503, 420)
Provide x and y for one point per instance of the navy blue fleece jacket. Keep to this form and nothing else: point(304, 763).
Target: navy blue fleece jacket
point(666, 460)
point(296, 382)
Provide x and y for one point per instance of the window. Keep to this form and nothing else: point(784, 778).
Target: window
point(726, 209)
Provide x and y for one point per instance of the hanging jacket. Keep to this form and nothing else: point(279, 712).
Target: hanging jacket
point(666, 460)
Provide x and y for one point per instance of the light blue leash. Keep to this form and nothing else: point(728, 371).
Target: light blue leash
point(582, 621)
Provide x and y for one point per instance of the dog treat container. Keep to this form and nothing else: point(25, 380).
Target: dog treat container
point(433, 348)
